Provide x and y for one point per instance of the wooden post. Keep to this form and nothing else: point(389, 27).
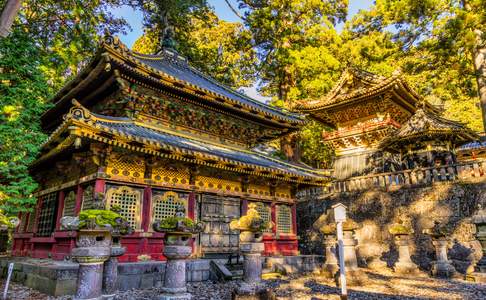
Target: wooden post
point(191, 205)
point(79, 200)
point(60, 209)
point(146, 208)
point(244, 207)
point(294, 218)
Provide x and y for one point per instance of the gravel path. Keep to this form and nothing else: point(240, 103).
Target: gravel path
point(310, 287)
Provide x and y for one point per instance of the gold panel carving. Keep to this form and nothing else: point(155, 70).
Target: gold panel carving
point(128, 165)
point(165, 205)
point(283, 192)
point(222, 185)
point(170, 176)
point(262, 190)
point(129, 200)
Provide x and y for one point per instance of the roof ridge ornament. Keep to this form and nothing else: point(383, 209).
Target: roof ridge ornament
point(78, 112)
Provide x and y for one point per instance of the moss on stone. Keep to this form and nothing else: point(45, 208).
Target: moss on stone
point(171, 222)
point(100, 217)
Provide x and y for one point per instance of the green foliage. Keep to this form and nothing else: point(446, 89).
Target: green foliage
point(24, 90)
point(314, 151)
point(218, 48)
point(100, 217)
point(171, 222)
point(397, 229)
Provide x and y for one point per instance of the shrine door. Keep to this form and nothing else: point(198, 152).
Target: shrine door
point(216, 213)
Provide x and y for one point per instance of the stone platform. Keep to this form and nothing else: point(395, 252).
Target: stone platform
point(59, 278)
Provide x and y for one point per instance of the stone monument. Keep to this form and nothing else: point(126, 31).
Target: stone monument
point(331, 265)
point(177, 249)
point(442, 267)
point(354, 275)
point(401, 235)
point(479, 220)
point(251, 228)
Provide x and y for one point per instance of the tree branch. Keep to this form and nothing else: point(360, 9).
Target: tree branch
point(234, 10)
point(7, 18)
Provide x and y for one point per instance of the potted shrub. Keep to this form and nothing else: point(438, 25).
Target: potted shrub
point(178, 229)
point(251, 225)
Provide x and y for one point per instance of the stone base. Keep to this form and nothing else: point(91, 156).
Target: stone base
point(108, 297)
point(329, 270)
point(376, 264)
point(182, 296)
point(353, 278)
point(443, 269)
point(246, 291)
point(476, 277)
point(406, 268)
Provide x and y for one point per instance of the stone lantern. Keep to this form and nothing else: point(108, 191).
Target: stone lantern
point(110, 268)
point(479, 219)
point(251, 228)
point(354, 276)
point(442, 267)
point(331, 265)
point(401, 237)
point(178, 234)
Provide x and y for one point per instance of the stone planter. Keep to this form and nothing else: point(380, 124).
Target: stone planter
point(174, 287)
point(93, 248)
point(404, 265)
point(331, 265)
point(479, 219)
point(442, 267)
point(110, 269)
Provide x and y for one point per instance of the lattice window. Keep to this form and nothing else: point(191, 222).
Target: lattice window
point(69, 204)
point(284, 219)
point(126, 165)
point(47, 215)
point(129, 201)
point(165, 205)
point(265, 212)
point(88, 198)
point(170, 176)
point(218, 184)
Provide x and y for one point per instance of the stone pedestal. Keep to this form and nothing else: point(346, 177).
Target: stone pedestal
point(354, 276)
point(442, 267)
point(110, 273)
point(174, 287)
point(404, 265)
point(331, 265)
point(479, 274)
point(252, 288)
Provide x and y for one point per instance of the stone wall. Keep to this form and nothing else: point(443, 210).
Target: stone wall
point(375, 209)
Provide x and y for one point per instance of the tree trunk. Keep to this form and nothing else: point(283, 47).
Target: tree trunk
point(8, 16)
point(480, 68)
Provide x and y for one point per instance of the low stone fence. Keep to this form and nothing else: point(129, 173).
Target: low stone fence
point(420, 176)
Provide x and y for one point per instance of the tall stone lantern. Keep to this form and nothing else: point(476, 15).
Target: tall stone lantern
point(331, 265)
point(179, 231)
point(479, 219)
point(354, 275)
point(251, 228)
point(442, 267)
point(401, 236)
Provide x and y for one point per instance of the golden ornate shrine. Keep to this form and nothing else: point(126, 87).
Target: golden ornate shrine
point(147, 132)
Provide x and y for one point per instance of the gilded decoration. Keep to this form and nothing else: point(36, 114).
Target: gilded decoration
point(284, 219)
point(283, 192)
point(126, 164)
point(217, 184)
point(168, 175)
point(128, 200)
point(265, 213)
point(172, 111)
point(258, 189)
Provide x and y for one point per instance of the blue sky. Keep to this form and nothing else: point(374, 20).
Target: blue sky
point(135, 19)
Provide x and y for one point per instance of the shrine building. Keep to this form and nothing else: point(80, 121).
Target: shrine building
point(148, 133)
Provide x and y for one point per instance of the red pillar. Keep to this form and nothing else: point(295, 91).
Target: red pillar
point(60, 208)
point(273, 214)
point(244, 207)
point(99, 186)
point(79, 200)
point(191, 205)
point(294, 218)
point(146, 208)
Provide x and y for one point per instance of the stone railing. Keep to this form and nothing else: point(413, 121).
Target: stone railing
point(419, 176)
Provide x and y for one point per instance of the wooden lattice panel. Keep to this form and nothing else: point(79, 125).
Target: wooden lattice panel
point(283, 192)
point(165, 205)
point(129, 201)
point(88, 198)
point(218, 184)
point(261, 190)
point(284, 219)
point(126, 165)
point(69, 204)
point(30, 222)
point(265, 212)
point(47, 215)
point(168, 176)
